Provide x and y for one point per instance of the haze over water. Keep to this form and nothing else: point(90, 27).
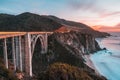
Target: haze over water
point(107, 62)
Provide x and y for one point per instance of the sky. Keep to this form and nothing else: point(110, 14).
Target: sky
point(90, 12)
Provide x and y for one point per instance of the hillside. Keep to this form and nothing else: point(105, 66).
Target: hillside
point(69, 48)
point(62, 71)
point(69, 44)
point(33, 22)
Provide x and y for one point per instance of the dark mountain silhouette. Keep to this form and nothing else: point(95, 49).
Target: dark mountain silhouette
point(79, 26)
point(27, 22)
point(69, 23)
point(33, 22)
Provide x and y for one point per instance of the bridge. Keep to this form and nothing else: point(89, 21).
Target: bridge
point(22, 47)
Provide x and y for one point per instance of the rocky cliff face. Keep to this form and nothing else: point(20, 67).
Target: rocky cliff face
point(75, 44)
point(83, 43)
point(69, 48)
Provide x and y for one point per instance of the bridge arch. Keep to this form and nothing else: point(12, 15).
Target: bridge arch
point(41, 39)
point(24, 50)
point(37, 56)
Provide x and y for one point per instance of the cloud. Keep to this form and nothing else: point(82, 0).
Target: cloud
point(118, 25)
point(81, 4)
point(85, 5)
point(109, 14)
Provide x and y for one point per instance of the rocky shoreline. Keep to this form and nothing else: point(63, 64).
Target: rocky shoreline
point(90, 63)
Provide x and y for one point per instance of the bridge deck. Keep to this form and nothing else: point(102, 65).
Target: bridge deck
point(12, 34)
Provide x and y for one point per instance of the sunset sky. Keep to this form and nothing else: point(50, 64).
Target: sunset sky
point(91, 12)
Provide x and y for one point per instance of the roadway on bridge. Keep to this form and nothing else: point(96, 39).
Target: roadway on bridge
point(11, 34)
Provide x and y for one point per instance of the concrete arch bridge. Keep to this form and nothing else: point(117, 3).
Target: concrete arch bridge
point(22, 48)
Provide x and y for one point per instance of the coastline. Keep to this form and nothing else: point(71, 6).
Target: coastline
point(90, 63)
point(107, 64)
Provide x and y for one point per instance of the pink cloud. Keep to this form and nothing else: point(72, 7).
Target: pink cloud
point(118, 25)
point(109, 14)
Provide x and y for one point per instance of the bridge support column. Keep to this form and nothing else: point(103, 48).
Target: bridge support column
point(5, 54)
point(20, 54)
point(13, 53)
point(46, 43)
point(28, 57)
point(17, 52)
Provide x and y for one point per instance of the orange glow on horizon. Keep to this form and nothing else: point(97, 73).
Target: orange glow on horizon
point(96, 27)
point(106, 29)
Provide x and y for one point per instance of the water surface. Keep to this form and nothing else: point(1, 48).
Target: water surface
point(107, 61)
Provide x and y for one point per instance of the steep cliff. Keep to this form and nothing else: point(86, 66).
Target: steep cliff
point(71, 47)
point(68, 48)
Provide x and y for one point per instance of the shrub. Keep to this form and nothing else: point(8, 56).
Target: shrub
point(61, 71)
point(6, 73)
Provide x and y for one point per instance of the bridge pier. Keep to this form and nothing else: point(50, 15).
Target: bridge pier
point(13, 53)
point(17, 52)
point(45, 44)
point(20, 54)
point(23, 52)
point(28, 57)
point(5, 53)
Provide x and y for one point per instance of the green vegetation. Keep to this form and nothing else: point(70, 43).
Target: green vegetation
point(27, 22)
point(62, 71)
point(6, 74)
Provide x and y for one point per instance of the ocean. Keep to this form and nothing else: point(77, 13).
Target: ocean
point(107, 62)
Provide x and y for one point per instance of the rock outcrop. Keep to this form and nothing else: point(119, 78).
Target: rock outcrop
point(72, 46)
point(69, 48)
